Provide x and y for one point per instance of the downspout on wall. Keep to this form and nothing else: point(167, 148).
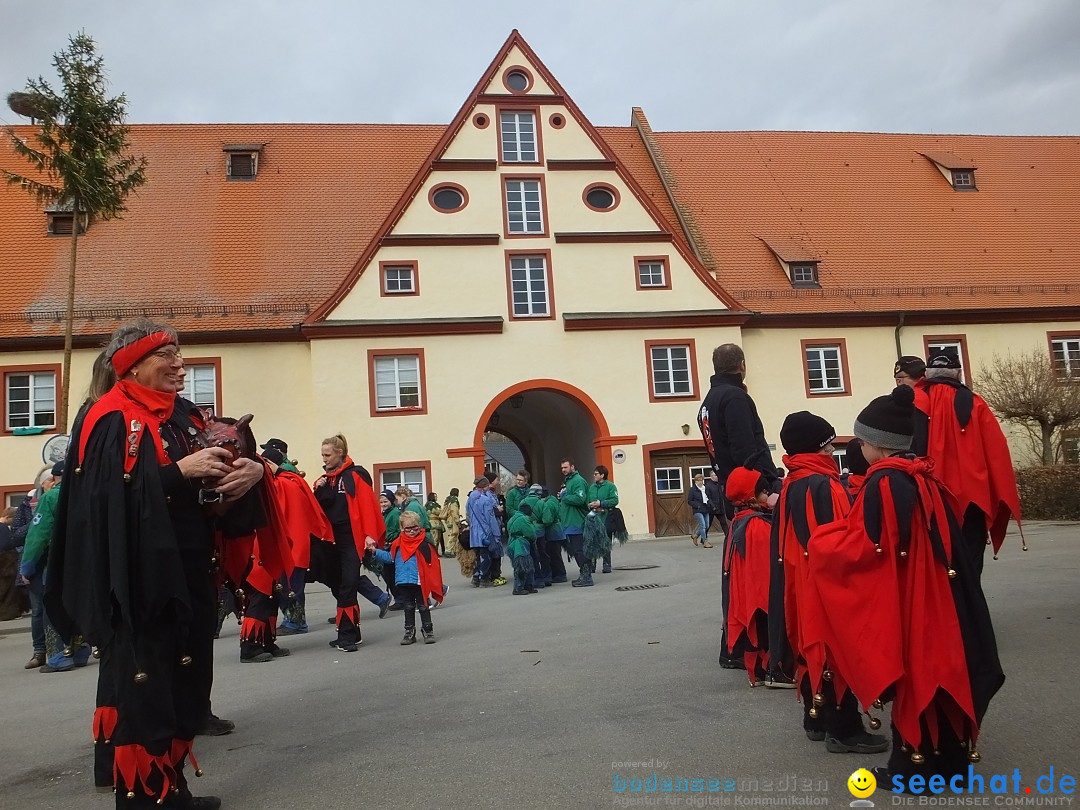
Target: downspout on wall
point(896, 335)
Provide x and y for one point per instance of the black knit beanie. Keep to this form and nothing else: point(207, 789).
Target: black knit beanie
point(889, 421)
point(805, 432)
point(856, 461)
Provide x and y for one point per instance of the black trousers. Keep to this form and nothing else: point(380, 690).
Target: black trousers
point(975, 534)
point(841, 721)
point(413, 600)
point(577, 548)
point(555, 549)
point(781, 658)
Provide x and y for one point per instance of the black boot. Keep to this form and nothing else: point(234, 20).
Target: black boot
point(410, 624)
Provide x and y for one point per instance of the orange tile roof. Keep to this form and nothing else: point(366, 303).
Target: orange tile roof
point(891, 232)
point(192, 243)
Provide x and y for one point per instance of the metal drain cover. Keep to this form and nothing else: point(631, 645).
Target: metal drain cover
point(634, 567)
point(646, 587)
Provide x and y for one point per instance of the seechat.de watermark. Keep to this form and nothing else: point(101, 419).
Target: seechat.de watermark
point(1053, 789)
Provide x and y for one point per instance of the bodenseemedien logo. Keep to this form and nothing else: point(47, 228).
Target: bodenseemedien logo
point(862, 785)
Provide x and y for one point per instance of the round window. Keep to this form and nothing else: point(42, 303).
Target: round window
point(600, 197)
point(517, 81)
point(448, 199)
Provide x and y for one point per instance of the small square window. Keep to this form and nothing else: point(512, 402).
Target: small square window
point(668, 480)
point(415, 478)
point(61, 223)
point(242, 165)
point(652, 274)
point(804, 274)
point(963, 179)
point(399, 279)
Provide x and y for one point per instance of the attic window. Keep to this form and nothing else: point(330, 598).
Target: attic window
point(242, 160)
point(963, 180)
point(61, 223)
point(804, 274)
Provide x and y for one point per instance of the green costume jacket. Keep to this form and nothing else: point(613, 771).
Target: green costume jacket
point(550, 514)
point(40, 534)
point(536, 505)
point(572, 508)
point(604, 492)
point(414, 505)
point(393, 525)
point(514, 497)
point(520, 529)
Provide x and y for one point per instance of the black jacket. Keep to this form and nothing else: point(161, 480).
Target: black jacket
point(697, 503)
point(715, 493)
point(732, 430)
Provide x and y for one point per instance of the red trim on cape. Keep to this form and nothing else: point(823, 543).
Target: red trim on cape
point(430, 570)
point(144, 409)
point(104, 723)
point(974, 461)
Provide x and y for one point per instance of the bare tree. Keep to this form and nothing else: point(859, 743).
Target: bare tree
point(1026, 389)
point(79, 154)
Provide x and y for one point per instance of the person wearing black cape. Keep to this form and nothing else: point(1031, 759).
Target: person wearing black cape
point(131, 559)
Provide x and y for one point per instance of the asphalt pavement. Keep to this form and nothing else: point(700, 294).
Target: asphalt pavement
point(558, 699)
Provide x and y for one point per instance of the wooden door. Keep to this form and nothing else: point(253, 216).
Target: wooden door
point(671, 479)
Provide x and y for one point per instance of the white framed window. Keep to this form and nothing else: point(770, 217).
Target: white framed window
point(30, 399)
point(652, 274)
point(824, 370)
point(703, 470)
point(668, 480)
point(200, 385)
point(1065, 353)
point(529, 294)
point(524, 207)
point(670, 370)
point(399, 280)
point(963, 179)
point(415, 478)
point(13, 499)
point(804, 274)
point(397, 382)
point(242, 165)
point(950, 348)
point(517, 133)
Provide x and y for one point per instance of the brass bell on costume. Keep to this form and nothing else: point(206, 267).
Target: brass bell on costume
point(239, 593)
point(878, 704)
point(127, 478)
point(952, 573)
point(826, 675)
point(879, 550)
point(813, 712)
point(78, 470)
point(141, 678)
point(903, 553)
point(875, 724)
point(131, 794)
point(198, 772)
point(917, 758)
point(185, 661)
point(819, 699)
point(974, 756)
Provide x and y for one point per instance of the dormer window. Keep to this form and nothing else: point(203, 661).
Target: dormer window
point(242, 160)
point(963, 180)
point(62, 220)
point(804, 274)
point(959, 172)
point(799, 262)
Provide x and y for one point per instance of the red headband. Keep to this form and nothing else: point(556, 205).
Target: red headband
point(123, 359)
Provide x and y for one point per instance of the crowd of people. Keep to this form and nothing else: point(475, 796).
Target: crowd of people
point(862, 587)
point(855, 589)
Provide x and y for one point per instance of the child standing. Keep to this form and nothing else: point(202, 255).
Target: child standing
point(812, 496)
point(417, 574)
point(522, 536)
point(745, 591)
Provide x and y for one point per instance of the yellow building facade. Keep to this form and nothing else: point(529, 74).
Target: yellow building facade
point(519, 272)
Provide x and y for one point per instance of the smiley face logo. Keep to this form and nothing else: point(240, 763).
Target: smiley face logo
point(861, 783)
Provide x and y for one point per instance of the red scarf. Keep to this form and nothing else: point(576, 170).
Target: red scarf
point(144, 410)
point(429, 569)
point(805, 464)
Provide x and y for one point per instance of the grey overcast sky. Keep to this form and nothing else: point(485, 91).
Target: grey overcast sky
point(931, 66)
